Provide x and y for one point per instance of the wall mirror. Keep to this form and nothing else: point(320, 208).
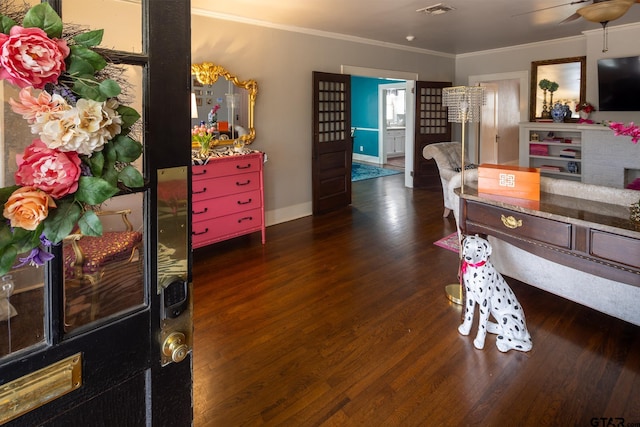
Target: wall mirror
point(228, 102)
point(570, 76)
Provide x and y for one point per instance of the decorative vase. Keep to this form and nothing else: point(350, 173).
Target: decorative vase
point(584, 115)
point(558, 113)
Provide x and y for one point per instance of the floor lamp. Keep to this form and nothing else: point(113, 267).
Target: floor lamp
point(464, 104)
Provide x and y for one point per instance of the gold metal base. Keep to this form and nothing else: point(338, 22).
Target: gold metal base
point(454, 293)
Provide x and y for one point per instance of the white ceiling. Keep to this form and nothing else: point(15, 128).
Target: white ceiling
point(473, 26)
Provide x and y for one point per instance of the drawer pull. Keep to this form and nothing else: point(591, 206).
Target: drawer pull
point(511, 222)
point(246, 218)
point(245, 203)
point(206, 230)
point(201, 212)
point(204, 190)
point(204, 172)
point(243, 183)
point(244, 167)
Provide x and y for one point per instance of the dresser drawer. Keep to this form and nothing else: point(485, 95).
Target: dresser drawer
point(223, 186)
point(227, 166)
point(221, 206)
point(616, 248)
point(226, 227)
point(519, 224)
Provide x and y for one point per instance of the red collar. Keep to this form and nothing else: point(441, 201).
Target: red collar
point(466, 264)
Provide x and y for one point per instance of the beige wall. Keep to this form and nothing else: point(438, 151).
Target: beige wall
point(282, 62)
point(622, 42)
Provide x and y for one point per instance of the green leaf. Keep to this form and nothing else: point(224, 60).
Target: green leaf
point(25, 240)
point(95, 59)
point(109, 88)
point(110, 154)
point(6, 24)
point(127, 149)
point(62, 220)
point(129, 115)
point(131, 177)
point(96, 163)
point(7, 258)
point(93, 190)
point(111, 176)
point(90, 38)
point(44, 17)
point(6, 192)
point(82, 87)
point(90, 224)
point(77, 66)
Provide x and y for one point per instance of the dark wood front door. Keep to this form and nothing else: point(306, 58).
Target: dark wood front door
point(332, 142)
point(431, 126)
point(109, 327)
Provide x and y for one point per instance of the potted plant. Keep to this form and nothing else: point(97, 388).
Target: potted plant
point(584, 109)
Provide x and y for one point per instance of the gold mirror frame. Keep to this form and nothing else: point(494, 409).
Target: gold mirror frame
point(208, 73)
point(536, 91)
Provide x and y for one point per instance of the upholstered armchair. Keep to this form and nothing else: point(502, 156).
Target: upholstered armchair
point(88, 258)
point(447, 156)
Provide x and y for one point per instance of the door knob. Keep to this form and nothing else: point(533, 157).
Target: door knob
point(175, 347)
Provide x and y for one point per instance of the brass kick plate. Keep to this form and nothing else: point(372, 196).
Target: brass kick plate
point(37, 388)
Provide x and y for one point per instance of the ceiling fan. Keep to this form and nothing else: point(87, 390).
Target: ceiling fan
point(601, 10)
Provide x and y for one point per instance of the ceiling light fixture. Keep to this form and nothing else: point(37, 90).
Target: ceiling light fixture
point(436, 9)
point(410, 38)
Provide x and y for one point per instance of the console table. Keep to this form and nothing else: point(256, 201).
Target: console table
point(594, 237)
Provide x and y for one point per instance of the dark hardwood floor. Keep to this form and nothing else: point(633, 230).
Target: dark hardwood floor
point(341, 320)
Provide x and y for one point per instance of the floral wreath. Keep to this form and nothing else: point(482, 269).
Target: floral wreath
point(82, 152)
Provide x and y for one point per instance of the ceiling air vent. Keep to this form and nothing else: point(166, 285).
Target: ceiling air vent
point(436, 9)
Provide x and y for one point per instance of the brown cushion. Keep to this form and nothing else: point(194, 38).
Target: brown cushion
point(112, 246)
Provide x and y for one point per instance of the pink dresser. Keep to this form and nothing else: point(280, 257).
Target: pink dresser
point(227, 199)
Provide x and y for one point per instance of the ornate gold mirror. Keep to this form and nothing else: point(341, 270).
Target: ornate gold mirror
point(225, 105)
point(568, 82)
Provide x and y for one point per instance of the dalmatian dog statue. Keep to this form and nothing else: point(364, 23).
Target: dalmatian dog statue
point(485, 286)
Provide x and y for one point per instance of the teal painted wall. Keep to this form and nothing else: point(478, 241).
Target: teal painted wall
point(364, 113)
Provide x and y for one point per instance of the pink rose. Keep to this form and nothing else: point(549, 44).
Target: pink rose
point(52, 171)
point(29, 58)
point(27, 207)
point(44, 105)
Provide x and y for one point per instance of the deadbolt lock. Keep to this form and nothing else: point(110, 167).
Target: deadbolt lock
point(175, 347)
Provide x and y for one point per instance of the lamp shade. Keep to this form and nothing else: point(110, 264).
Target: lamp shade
point(463, 103)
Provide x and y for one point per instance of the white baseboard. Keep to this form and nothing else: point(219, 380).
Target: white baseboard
point(288, 213)
point(365, 158)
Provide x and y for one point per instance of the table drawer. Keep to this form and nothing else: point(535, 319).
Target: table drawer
point(519, 224)
point(226, 185)
point(616, 248)
point(217, 229)
point(221, 206)
point(227, 166)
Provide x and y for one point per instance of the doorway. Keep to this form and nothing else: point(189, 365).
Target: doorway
point(392, 126)
point(409, 86)
point(506, 107)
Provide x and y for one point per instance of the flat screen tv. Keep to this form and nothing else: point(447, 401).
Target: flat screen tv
point(619, 84)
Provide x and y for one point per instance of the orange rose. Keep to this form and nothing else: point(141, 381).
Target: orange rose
point(27, 207)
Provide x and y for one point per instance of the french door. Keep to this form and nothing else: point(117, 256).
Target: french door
point(431, 126)
point(110, 346)
point(332, 142)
